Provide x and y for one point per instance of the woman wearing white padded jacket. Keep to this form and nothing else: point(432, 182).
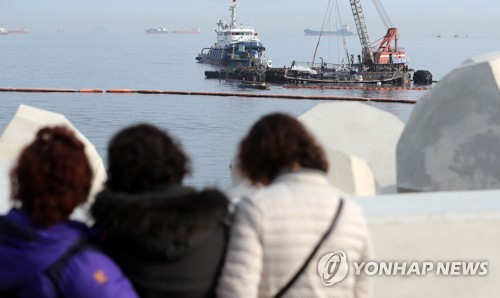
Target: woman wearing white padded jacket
point(277, 228)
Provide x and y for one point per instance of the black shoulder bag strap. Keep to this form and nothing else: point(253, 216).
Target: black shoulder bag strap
point(309, 258)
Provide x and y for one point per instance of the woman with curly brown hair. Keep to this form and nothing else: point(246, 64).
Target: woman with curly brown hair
point(42, 252)
point(281, 231)
point(168, 238)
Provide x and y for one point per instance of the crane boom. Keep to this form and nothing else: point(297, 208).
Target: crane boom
point(359, 20)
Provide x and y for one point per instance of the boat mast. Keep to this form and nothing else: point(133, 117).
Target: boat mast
point(359, 20)
point(233, 10)
point(327, 12)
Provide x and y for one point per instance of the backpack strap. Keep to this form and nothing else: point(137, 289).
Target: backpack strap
point(290, 283)
point(55, 271)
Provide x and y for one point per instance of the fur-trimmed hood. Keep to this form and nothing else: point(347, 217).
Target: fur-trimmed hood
point(164, 223)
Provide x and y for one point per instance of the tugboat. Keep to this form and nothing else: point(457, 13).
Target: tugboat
point(234, 42)
point(254, 85)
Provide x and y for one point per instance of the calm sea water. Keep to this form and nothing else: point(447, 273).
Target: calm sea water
point(208, 127)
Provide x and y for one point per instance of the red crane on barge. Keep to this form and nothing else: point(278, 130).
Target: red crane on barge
point(385, 53)
point(382, 63)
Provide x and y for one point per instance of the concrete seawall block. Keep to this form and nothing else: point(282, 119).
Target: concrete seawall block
point(436, 227)
point(360, 130)
point(452, 139)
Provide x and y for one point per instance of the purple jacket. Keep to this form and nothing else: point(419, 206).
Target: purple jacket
point(27, 250)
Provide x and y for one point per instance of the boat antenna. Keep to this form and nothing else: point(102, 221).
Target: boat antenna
point(343, 35)
point(321, 33)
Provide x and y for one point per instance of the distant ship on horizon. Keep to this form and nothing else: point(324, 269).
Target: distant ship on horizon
point(22, 30)
point(196, 30)
point(344, 31)
point(159, 30)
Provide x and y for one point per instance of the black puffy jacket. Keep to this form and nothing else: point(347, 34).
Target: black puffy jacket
point(170, 242)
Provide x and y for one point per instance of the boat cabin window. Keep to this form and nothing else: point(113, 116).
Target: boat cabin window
point(239, 33)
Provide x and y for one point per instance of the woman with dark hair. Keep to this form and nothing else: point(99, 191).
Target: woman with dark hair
point(42, 252)
point(169, 239)
point(283, 229)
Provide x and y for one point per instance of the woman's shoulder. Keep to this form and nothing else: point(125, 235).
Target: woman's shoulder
point(211, 197)
point(162, 213)
point(171, 196)
point(290, 188)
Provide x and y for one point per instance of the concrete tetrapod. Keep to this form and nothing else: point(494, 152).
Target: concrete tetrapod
point(360, 130)
point(350, 174)
point(452, 139)
point(21, 130)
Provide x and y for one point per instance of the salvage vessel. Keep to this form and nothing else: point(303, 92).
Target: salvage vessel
point(385, 62)
point(382, 63)
point(234, 42)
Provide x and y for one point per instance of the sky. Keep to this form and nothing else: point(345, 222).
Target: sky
point(412, 18)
